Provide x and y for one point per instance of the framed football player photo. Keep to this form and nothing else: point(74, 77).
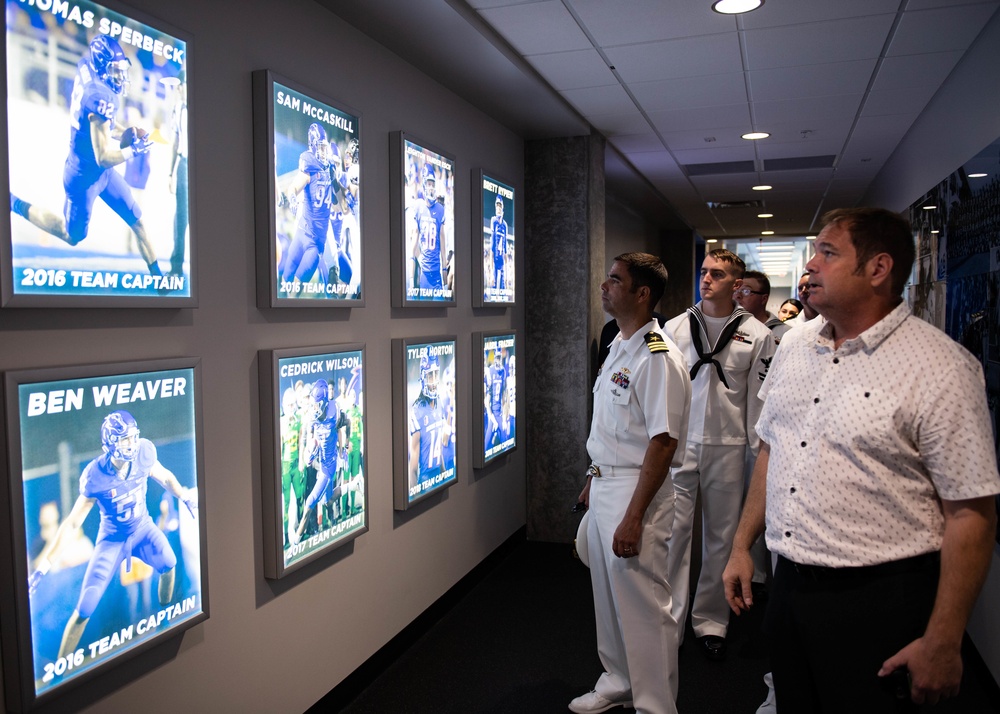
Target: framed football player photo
point(104, 219)
point(313, 444)
point(493, 241)
point(307, 181)
point(495, 369)
point(424, 446)
point(422, 223)
point(104, 482)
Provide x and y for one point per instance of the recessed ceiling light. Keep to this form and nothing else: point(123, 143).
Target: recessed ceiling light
point(762, 187)
point(978, 175)
point(765, 215)
point(735, 7)
point(712, 240)
point(929, 208)
point(767, 233)
point(754, 135)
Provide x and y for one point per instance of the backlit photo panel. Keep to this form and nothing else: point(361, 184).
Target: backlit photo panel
point(320, 453)
point(426, 444)
point(317, 153)
point(497, 242)
point(107, 521)
point(97, 144)
point(498, 375)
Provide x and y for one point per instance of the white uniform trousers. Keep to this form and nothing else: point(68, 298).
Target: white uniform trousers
point(636, 632)
point(718, 472)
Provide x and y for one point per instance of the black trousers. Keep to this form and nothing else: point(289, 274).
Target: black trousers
point(831, 630)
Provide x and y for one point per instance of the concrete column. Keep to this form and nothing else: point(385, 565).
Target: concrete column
point(564, 266)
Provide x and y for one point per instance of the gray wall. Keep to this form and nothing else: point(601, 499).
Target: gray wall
point(961, 120)
point(279, 647)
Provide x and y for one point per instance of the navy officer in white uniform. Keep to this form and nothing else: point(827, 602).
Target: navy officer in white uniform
point(642, 398)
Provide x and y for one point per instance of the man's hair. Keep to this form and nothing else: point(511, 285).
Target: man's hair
point(874, 231)
point(765, 283)
point(646, 271)
point(727, 256)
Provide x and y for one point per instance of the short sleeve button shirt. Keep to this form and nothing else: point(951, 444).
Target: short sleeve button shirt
point(868, 438)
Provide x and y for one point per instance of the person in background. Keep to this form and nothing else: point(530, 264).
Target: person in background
point(789, 309)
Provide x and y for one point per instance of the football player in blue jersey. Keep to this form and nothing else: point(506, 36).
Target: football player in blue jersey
point(427, 425)
point(498, 229)
point(96, 146)
point(116, 481)
point(496, 380)
point(323, 444)
point(428, 246)
point(316, 183)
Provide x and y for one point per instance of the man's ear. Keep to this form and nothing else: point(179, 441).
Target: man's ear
point(880, 270)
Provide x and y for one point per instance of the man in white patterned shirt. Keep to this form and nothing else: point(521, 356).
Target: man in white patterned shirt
point(876, 479)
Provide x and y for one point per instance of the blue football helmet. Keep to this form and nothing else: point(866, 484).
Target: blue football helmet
point(120, 436)
point(321, 397)
point(430, 368)
point(318, 144)
point(499, 205)
point(428, 180)
point(109, 63)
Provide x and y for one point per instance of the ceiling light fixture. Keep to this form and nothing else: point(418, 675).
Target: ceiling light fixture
point(765, 215)
point(810, 237)
point(929, 208)
point(755, 135)
point(762, 187)
point(735, 7)
point(712, 240)
point(767, 233)
point(978, 175)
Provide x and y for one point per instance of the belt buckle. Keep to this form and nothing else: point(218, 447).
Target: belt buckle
point(594, 470)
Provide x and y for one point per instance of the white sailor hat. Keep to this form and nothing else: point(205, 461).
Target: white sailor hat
point(582, 550)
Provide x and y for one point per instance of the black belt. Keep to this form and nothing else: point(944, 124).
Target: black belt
point(893, 567)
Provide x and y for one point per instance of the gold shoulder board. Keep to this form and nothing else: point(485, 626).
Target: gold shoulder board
point(655, 343)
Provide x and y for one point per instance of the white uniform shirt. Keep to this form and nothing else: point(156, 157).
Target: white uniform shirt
point(867, 439)
point(720, 415)
point(638, 394)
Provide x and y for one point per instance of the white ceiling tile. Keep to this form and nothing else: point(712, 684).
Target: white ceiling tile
point(697, 138)
point(574, 70)
point(657, 165)
point(688, 57)
point(926, 70)
point(703, 118)
point(811, 81)
point(537, 27)
point(939, 30)
point(689, 92)
point(600, 100)
point(817, 43)
point(614, 124)
point(909, 102)
point(627, 22)
point(795, 12)
point(480, 4)
point(809, 146)
point(715, 155)
point(803, 110)
point(637, 143)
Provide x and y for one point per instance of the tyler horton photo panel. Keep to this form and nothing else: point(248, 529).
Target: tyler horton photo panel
point(424, 418)
point(314, 496)
point(422, 228)
point(108, 531)
point(308, 182)
point(97, 143)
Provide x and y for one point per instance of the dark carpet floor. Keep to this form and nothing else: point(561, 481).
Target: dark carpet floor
point(520, 638)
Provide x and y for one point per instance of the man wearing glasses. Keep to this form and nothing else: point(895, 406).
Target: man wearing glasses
point(753, 296)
